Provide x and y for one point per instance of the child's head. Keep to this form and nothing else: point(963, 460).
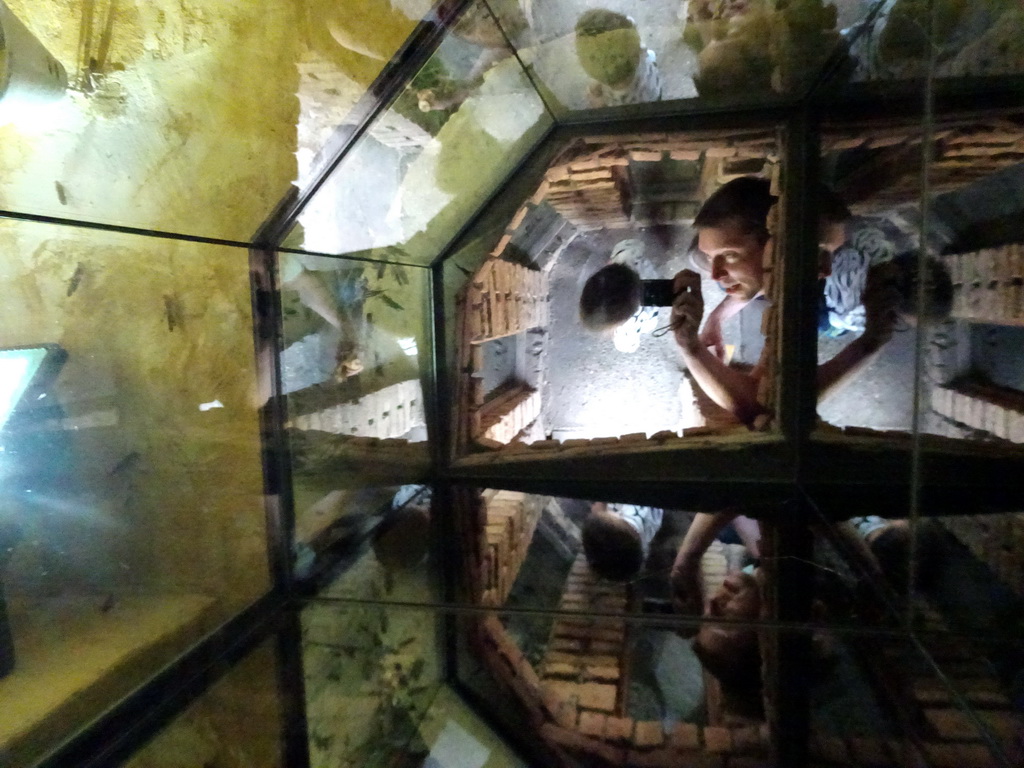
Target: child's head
point(610, 297)
point(608, 47)
point(612, 546)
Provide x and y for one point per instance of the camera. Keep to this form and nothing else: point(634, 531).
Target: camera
point(657, 293)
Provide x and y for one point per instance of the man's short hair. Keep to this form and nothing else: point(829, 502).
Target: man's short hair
point(831, 208)
point(743, 202)
point(614, 552)
point(610, 297)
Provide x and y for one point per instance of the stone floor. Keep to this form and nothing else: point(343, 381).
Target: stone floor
point(593, 390)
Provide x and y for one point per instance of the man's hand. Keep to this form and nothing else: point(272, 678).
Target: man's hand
point(687, 594)
point(348, 362)
point(687, 309)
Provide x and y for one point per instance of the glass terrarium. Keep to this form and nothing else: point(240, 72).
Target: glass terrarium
point(511, 382)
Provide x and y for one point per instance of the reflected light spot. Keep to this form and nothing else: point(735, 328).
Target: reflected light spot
point(408, 345)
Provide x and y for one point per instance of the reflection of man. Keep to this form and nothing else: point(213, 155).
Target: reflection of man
point(730, 652)
point(731, 243)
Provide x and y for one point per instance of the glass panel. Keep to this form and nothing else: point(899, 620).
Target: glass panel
point(625, 53)
point(966, 607)
point(582, 691)
point(174, 118)
point(368, 542)
point(860, 578)
point(532, 552)
point(870, 234)
point(133, 519)
point(238, 722)
point(410, 183)
point(969, 607)
point(373, 673)
point(957, 39)
point(970, 574)
point(879, 701)
point(563, 332)
point(356, 346)
point(984, 710)
point(973, 382)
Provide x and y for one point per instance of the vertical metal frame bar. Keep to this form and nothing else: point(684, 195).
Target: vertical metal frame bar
point(797, 402)
point(278, 499)
point(792, 678)
point(440, 403)
point(273, 413)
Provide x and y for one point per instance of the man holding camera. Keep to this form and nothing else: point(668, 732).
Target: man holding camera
point(730, 246)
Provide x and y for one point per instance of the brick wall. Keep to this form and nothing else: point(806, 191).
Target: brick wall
point(511, 519)
point(948, 731)
point(584, 661)
point(576, 700)
point(501, 299)
point(387, 413)
point(936, 731)
point(589, 184)
point(578, 730)
point(504, 299)
point(997, 541)
point(996, 410)
point(963, 151)
point(988, 285)
point(497, 421)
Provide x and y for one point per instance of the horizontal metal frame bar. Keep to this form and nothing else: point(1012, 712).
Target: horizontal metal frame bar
point(758, 497)
point(676, 116)
point(762, 459)
point(121, 229)
point(669, 621)
point(901, 99)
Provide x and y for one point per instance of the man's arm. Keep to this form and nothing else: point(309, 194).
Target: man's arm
point(729, 388)
point(315, 295)
point(685, 575)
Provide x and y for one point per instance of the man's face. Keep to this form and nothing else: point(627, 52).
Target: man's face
point(736, 259)
point(739, 598)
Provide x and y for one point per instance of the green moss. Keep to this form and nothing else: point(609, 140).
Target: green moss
point(467, 153)
point(608, 47)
